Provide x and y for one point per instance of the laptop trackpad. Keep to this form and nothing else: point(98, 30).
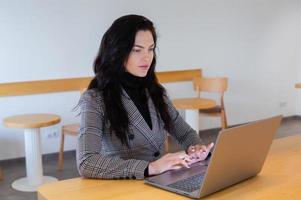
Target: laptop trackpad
point(175, 175)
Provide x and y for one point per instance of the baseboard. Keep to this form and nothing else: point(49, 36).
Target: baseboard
point(45, 157)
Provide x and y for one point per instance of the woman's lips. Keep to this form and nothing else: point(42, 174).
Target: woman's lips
point(144, 66)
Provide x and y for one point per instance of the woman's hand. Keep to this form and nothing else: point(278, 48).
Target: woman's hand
point(199, 152)
point(169, 161)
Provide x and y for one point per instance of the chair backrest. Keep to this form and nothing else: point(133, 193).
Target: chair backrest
point(82, 90)
point(216, 85)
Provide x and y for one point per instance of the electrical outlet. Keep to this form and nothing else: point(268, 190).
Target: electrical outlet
point(55, 134)
point(52, 135)
point(282, 104)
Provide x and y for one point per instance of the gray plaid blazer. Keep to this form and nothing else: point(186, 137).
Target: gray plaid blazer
point(100, 153)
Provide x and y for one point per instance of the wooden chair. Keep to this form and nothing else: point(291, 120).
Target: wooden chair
point(215, 85)
point(71, 130)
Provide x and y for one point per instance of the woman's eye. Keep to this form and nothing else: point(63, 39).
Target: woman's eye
point(136, 50)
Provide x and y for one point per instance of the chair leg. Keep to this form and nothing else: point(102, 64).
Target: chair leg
point(166, 144)
point(61, 152)
point(1, 174)
point(224, 120)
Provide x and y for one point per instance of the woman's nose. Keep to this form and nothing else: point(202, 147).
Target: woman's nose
point(146, 55)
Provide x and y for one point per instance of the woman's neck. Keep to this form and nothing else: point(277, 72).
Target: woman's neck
point(131, 81)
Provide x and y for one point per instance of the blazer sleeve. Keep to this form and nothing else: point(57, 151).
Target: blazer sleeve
point(91, 163)
point(180, 130)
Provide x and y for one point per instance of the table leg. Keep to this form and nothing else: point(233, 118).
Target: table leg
point(192, 118)
point(34, 168)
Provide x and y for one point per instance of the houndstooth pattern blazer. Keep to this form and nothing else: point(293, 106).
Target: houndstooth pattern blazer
point(100, 153)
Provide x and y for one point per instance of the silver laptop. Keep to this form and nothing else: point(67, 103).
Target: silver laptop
point(239, 154)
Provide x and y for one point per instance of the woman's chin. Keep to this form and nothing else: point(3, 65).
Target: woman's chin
point(139, 73)
point(142, 74)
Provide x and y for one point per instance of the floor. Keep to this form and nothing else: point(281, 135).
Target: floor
point(14, 169)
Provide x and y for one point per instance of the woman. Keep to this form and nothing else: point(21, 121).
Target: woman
point(125, 112)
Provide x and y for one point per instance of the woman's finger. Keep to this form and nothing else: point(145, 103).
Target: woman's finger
point(183, 163)
point(209, 146)
point(174, 167)
point(192, 149)
point(202, 148)
point(187, 159)
point(180, 162)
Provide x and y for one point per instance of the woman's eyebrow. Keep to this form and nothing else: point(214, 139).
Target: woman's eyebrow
point(136, 45)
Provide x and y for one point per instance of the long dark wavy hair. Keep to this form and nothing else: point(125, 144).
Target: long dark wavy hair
point(109, 69)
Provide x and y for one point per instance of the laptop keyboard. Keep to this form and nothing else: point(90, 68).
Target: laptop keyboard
point(189, 184)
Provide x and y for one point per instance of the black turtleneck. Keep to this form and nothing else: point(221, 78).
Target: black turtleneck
point(135, 87)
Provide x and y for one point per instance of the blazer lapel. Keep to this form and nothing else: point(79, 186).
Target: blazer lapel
point(136, 119)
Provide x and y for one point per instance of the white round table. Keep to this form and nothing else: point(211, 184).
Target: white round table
point(31, 123)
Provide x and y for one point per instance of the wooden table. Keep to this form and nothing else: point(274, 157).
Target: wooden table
point(31, 123)
point(280, 179)
point(191, 107)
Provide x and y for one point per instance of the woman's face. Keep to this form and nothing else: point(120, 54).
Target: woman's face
point(141, 55)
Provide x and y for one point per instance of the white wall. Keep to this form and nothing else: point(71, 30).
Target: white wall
point(253, 42)
point(298, 99)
